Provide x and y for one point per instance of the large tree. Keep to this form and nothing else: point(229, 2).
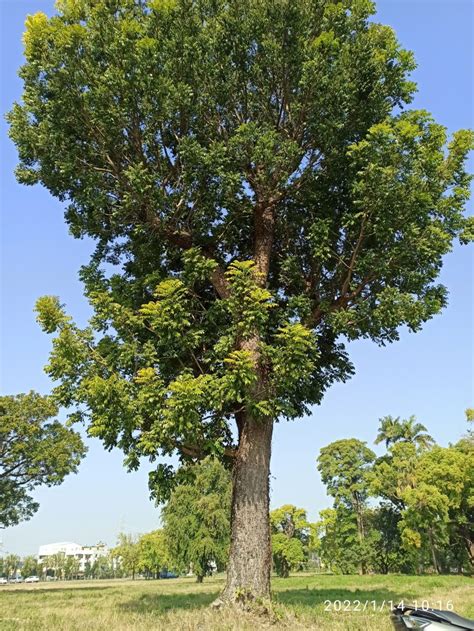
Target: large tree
point(35, 449)
point(257, 191)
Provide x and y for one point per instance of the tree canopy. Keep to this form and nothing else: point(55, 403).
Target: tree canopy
point(291, 536)
point(34, 450)
point(176, 132)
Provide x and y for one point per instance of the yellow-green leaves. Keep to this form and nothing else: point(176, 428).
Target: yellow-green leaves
point(34, 37)
point(51, 315)
point(293, 359)
point(249, 302)
point(170, 316)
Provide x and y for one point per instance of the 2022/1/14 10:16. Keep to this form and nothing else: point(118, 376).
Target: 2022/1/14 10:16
point(367, 605)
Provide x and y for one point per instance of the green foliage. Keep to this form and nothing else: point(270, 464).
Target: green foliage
point(196, 520)
point(55, 565)
point(127, 554)
point(344, 467)
point(34, 450)
point(103, 567)
point(290, 539)
point(426, 514)
point(11, 565)
point(393, 430)
point(250, 214)
point(338, 547)
point(29, 567)
point(153, 553)
point(71, 568)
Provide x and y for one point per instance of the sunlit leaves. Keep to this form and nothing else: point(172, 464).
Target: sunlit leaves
point(35, 449)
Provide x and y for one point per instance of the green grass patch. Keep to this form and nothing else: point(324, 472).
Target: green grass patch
point(355, 603)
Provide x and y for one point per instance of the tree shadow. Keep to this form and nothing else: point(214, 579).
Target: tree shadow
point(162, 603)
point(53, 590)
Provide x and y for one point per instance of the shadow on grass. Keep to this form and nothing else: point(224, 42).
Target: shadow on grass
point(315, 597)
point(55, 590)
point(161, 603)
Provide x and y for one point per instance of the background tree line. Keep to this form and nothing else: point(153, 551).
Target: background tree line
point(409, 510)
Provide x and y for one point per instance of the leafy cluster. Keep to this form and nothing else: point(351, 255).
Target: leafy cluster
point(35, 450)
point(160, 379)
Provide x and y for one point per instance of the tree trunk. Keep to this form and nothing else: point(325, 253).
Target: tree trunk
point(248, 572)
point(199, 578)
point(360, 530)
point(433, 551)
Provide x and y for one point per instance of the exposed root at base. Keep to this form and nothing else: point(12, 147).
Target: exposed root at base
point(256, 613)
point(245, 600)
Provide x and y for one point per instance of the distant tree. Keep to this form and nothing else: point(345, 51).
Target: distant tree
point(127, 554)
point(467, 442)
point(253, 176)
point(71, 568)
point(345, 467)
point(394, 430)
point(153, 553)
point(387, 554)
point(11, 564)
point(394, 472)
point(103, 567)
point(196, 519)
point(88, 573)
point(430, 490)
point(34, 450)
point(55, 563)
point(439, 507)
point(290, 538)
point(339, 545)
point(29, 566)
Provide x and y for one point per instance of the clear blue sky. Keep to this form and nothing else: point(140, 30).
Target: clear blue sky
point(429, 374)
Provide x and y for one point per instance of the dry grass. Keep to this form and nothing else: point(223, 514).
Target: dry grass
point(183, 605)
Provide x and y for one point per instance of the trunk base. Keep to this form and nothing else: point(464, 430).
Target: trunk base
point(261, 607)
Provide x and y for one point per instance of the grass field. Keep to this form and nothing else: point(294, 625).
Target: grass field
point(182, 604)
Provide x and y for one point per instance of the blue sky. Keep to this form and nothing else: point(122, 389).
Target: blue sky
point(429, 374)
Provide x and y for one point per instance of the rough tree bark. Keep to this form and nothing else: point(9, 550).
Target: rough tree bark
point(248, 572)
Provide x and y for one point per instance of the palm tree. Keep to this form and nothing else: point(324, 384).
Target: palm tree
point(11, 564)
point(388, 431)
point(393, 430)
point(413, 432)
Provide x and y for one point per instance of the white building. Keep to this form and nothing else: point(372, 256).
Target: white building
point(84, 554)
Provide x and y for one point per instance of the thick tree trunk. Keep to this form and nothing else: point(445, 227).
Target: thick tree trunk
point(248, 573)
